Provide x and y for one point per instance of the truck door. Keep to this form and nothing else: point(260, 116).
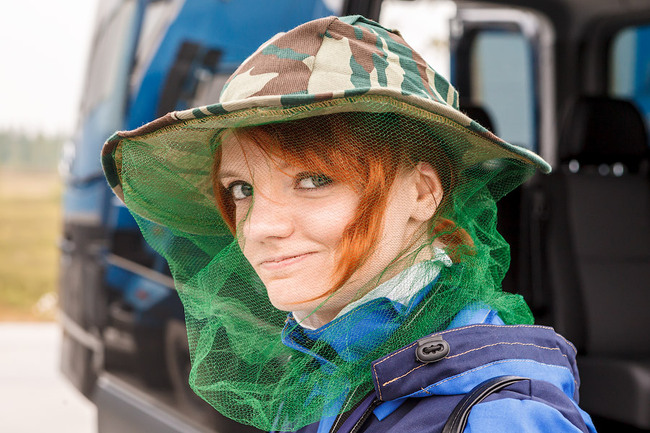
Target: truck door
point(83, 301)
point(502, 65)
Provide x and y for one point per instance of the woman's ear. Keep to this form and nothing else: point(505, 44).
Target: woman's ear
point(429, 191)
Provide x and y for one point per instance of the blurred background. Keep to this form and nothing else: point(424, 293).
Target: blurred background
point(44, 47)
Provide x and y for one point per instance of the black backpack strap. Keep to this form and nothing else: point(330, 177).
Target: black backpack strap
point(458, 418)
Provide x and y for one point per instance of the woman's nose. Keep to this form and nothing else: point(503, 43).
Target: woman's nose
point(268, 218)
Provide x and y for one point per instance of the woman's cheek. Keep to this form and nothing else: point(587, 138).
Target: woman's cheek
point(328, 223)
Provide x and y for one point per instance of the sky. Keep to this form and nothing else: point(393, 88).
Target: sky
point(44, 45)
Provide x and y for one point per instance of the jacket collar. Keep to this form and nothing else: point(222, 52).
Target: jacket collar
point(365, 328)
point(402, 290)
point(477, 353)
point(368, 322)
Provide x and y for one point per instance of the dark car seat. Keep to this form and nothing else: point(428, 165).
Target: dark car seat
point(593, 224)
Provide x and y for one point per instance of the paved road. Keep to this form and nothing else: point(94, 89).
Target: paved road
point(34, 396)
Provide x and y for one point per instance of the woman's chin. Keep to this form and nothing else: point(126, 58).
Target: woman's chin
point(295, 304)
point(311, 310)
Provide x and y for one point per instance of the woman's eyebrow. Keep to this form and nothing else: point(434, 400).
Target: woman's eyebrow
point(227, 173)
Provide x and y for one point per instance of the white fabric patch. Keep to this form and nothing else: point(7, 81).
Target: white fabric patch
point(331, 67)
point(431, 76)
point(309, 61)
point(394, 72)
point(450, 95)
point(245, 84)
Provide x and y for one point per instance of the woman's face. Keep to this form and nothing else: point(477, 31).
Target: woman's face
point(290, 222)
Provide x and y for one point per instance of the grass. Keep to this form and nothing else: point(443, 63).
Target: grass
point(30, 227)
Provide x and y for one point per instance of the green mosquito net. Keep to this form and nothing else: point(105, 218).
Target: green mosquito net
point(310, 235)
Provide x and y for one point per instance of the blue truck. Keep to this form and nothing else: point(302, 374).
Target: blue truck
point(523, 67)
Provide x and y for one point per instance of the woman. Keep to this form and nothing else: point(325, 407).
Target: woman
point(331, 229)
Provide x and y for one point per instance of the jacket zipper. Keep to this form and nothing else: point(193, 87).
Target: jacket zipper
point(364, 417)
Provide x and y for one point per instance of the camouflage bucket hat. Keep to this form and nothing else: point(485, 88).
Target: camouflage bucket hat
point(330, 65)
point(351, 105)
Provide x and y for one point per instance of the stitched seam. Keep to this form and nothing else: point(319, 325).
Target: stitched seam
point(410, 346)
point(494, 326)
point(570, 344)
point(474, 350)
point(439, 333)
point(468, 327)
point(377, 380)
point(505, 343)
point(405, 374)
point(495, 363)
point(471, 350)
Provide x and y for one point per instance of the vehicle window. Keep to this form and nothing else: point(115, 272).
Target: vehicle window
point(629, 70)
point(156, 20)
point(113, 36)
point(502, 83)
point(425, 26)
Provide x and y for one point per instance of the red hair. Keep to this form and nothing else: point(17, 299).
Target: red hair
point(358, 149)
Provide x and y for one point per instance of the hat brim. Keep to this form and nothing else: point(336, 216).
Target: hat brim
point(168, 180)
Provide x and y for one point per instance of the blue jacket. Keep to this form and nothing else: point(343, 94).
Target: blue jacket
point(411, 396)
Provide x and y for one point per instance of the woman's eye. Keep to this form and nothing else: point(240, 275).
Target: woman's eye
point(311, 181)
point(240, 190)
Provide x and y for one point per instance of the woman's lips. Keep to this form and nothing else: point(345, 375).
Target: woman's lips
point(283, 262)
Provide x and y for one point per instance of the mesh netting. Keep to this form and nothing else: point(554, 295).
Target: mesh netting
point(311, 243)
